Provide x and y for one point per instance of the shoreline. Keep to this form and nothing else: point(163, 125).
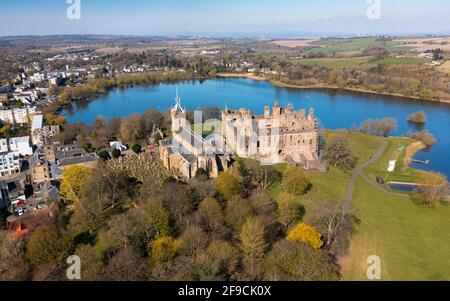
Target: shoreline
point(411, 151)
point(324, 87)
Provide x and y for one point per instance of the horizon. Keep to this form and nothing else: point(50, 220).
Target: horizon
point(230, 19)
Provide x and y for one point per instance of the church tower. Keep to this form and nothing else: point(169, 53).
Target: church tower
point(178, 115)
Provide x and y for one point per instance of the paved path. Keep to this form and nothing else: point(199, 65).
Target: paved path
point(349, 194)
point(358, 171)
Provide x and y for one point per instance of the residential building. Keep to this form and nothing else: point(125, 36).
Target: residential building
point(9, 163)
point(40, 168)
point(4, 145)
point(21, 145)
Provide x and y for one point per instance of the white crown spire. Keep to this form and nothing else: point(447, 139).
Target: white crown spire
point(177, 107)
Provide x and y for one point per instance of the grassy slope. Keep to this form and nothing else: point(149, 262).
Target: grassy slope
point(411, 240)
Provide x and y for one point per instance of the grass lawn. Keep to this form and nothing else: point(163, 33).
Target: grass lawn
point(353, 45)
point(394, 151)
point(445, 67)
point(400, 61)
point(336, 63)
point(412, 241)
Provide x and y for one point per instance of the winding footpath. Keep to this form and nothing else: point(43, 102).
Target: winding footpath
point(358, 171)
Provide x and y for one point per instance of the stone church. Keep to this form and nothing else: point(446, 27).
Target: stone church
point(283, 136)
point(187, 151)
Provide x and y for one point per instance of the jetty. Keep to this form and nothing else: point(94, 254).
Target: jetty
point(403, 183)
point(426, 162)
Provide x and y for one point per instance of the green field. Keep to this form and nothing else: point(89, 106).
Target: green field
point(355, 45)
point(413, 242)
point(400, 61)
point(336, 63)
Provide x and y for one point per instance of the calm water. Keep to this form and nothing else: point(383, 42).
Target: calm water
point(334, 109)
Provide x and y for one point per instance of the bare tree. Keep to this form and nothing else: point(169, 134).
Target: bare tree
point(329, 219)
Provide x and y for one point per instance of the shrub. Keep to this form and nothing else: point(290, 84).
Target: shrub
point(419, 117)
point(116, 153)
point(136, 148)
point(295, 181)
point(201, 174)
point(104, 155)
point(425, 136)
point(377, 127)
point(308, 234)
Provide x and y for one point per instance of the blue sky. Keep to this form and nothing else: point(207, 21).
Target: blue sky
point(169, 17)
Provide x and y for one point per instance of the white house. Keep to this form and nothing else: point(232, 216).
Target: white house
point(117, 145)
point(21, 145)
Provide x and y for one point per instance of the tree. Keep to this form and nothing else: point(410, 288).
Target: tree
point(295, 261)
point(263, 175)
point(201, 174)
point(132, 129)
point(163, 250)
point(74, 179)
point(120, 233)
point(329, 218)
point(295, 181)
point(116, 153)
point(289, 209)
point(378, 127)
point(418, 117)
point(52, 119)
point(211, 215)
point(433, 189)
point(424, 136)
point(339, 154)
point(262, 203)
point(192, 241)
point(158, 217)
point(229, 184)
point(13, 266)
point(219, 262)
point(91, 262)
point(126, 265)
point(179, 201)
point(104, 155)
point(152, 118)
point(253, 245)
point(237, 212)
point(308, 234)
point(47, 245)
point(136, 148)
